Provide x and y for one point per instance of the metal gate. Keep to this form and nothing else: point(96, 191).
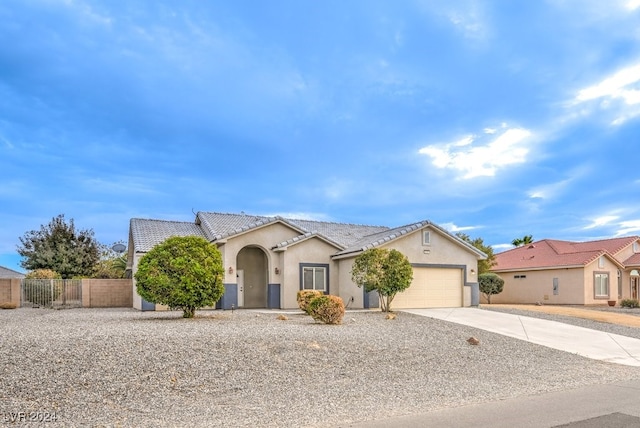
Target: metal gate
point(51, 293)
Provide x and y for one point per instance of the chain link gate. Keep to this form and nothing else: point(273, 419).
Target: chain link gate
point(51, 293)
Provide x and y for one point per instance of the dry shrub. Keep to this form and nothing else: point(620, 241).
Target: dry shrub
point(282, 317)
point(305, 297)
point(8, 306)
point(327, 309)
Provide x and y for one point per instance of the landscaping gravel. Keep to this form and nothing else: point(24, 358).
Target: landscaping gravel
point(121, 367)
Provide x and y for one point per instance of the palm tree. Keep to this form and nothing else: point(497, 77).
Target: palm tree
point(525, 240)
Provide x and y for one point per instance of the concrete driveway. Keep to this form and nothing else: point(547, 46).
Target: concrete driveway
point(588, 343)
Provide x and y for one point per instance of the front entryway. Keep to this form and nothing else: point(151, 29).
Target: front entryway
point(252, 278)
point(635, 283)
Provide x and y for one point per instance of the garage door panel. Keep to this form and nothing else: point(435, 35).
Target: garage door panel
point(431, 288)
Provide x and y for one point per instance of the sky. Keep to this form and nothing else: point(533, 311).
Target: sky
point(497, 119)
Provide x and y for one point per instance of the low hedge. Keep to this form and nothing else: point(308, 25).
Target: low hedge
point(327, 309)
point(305, 297)
point(630, 303)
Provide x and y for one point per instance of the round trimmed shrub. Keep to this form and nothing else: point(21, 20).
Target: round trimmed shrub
point(305, 297)
point(327, 309)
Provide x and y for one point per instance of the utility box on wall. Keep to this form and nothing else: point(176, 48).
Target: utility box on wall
point(556, 290)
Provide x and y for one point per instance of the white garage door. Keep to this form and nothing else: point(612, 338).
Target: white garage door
point(431, 288)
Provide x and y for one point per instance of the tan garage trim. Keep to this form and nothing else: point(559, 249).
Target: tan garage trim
point(432, 287)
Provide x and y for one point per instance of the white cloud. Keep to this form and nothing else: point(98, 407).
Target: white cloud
point(476, 160)
point(633, 4)
point(618, 94)
point(602, 221)
point(451, 227)
point(490, 130)
point(300, 216)
point(615, 86)
point(629, 227)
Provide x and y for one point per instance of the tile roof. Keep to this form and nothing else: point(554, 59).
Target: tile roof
point(381, 238)
point(223, 225)
point(10, 273)
point(549, 253)
point(347, 238)
point(344, 234)
point(148, 233)
point(634, 260)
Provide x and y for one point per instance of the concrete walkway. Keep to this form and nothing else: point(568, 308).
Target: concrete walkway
point(588, 343)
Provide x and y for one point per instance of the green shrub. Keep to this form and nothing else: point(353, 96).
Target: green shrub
point(327, 309)
point(490, 284)
point(183, 272)
point(630, 303)
point(42, 274)
point(305, 297)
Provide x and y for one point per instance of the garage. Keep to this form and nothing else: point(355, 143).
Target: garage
point(432, 288)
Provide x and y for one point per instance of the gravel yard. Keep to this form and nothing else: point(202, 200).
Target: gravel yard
point(121, 367)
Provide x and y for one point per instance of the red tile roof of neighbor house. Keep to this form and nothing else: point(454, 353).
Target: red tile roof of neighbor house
point(549, 253)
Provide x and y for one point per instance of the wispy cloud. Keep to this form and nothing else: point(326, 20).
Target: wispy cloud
point(629, 227)
point(618, 93)
point(633, 4)
point(453, 228)
point(548, 191)
point(477, 160)
point(601, 221)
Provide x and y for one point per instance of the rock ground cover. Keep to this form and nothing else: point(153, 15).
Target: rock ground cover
point(121, 367)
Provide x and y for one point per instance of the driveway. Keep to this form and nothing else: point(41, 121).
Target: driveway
point(597, 345)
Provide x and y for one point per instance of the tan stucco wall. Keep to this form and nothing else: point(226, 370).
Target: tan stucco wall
point(137, 300)
point(442, 251)
point(10, 291)
point(538, 287)
point(107, 293)
point(314, 251)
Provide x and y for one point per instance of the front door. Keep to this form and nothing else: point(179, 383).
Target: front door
point(240, 278)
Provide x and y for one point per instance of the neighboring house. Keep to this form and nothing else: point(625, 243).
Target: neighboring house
point(9, 273)
point(267, 260)
point(562, 272)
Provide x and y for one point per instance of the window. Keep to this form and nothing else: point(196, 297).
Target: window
point(601, 262)
point(314, 277)
point(636, 247)
point(601, 285)
point(426, 237)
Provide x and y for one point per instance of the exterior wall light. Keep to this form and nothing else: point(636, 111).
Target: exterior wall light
point(277, 271)
point(230, 269)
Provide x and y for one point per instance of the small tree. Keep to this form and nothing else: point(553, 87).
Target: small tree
point(486, 264)
point(385, 271)
point(182, 272)
point(60, 247)
point(112, 265)
point(490, 284)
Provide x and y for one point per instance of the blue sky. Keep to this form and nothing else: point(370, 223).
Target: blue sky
point(496, 118)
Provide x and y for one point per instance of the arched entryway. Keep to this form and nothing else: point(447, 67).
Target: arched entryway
point(252, 265)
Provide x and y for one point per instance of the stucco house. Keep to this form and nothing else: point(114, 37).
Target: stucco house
point(267, 260)
point(563, 272)
point(10, 273)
